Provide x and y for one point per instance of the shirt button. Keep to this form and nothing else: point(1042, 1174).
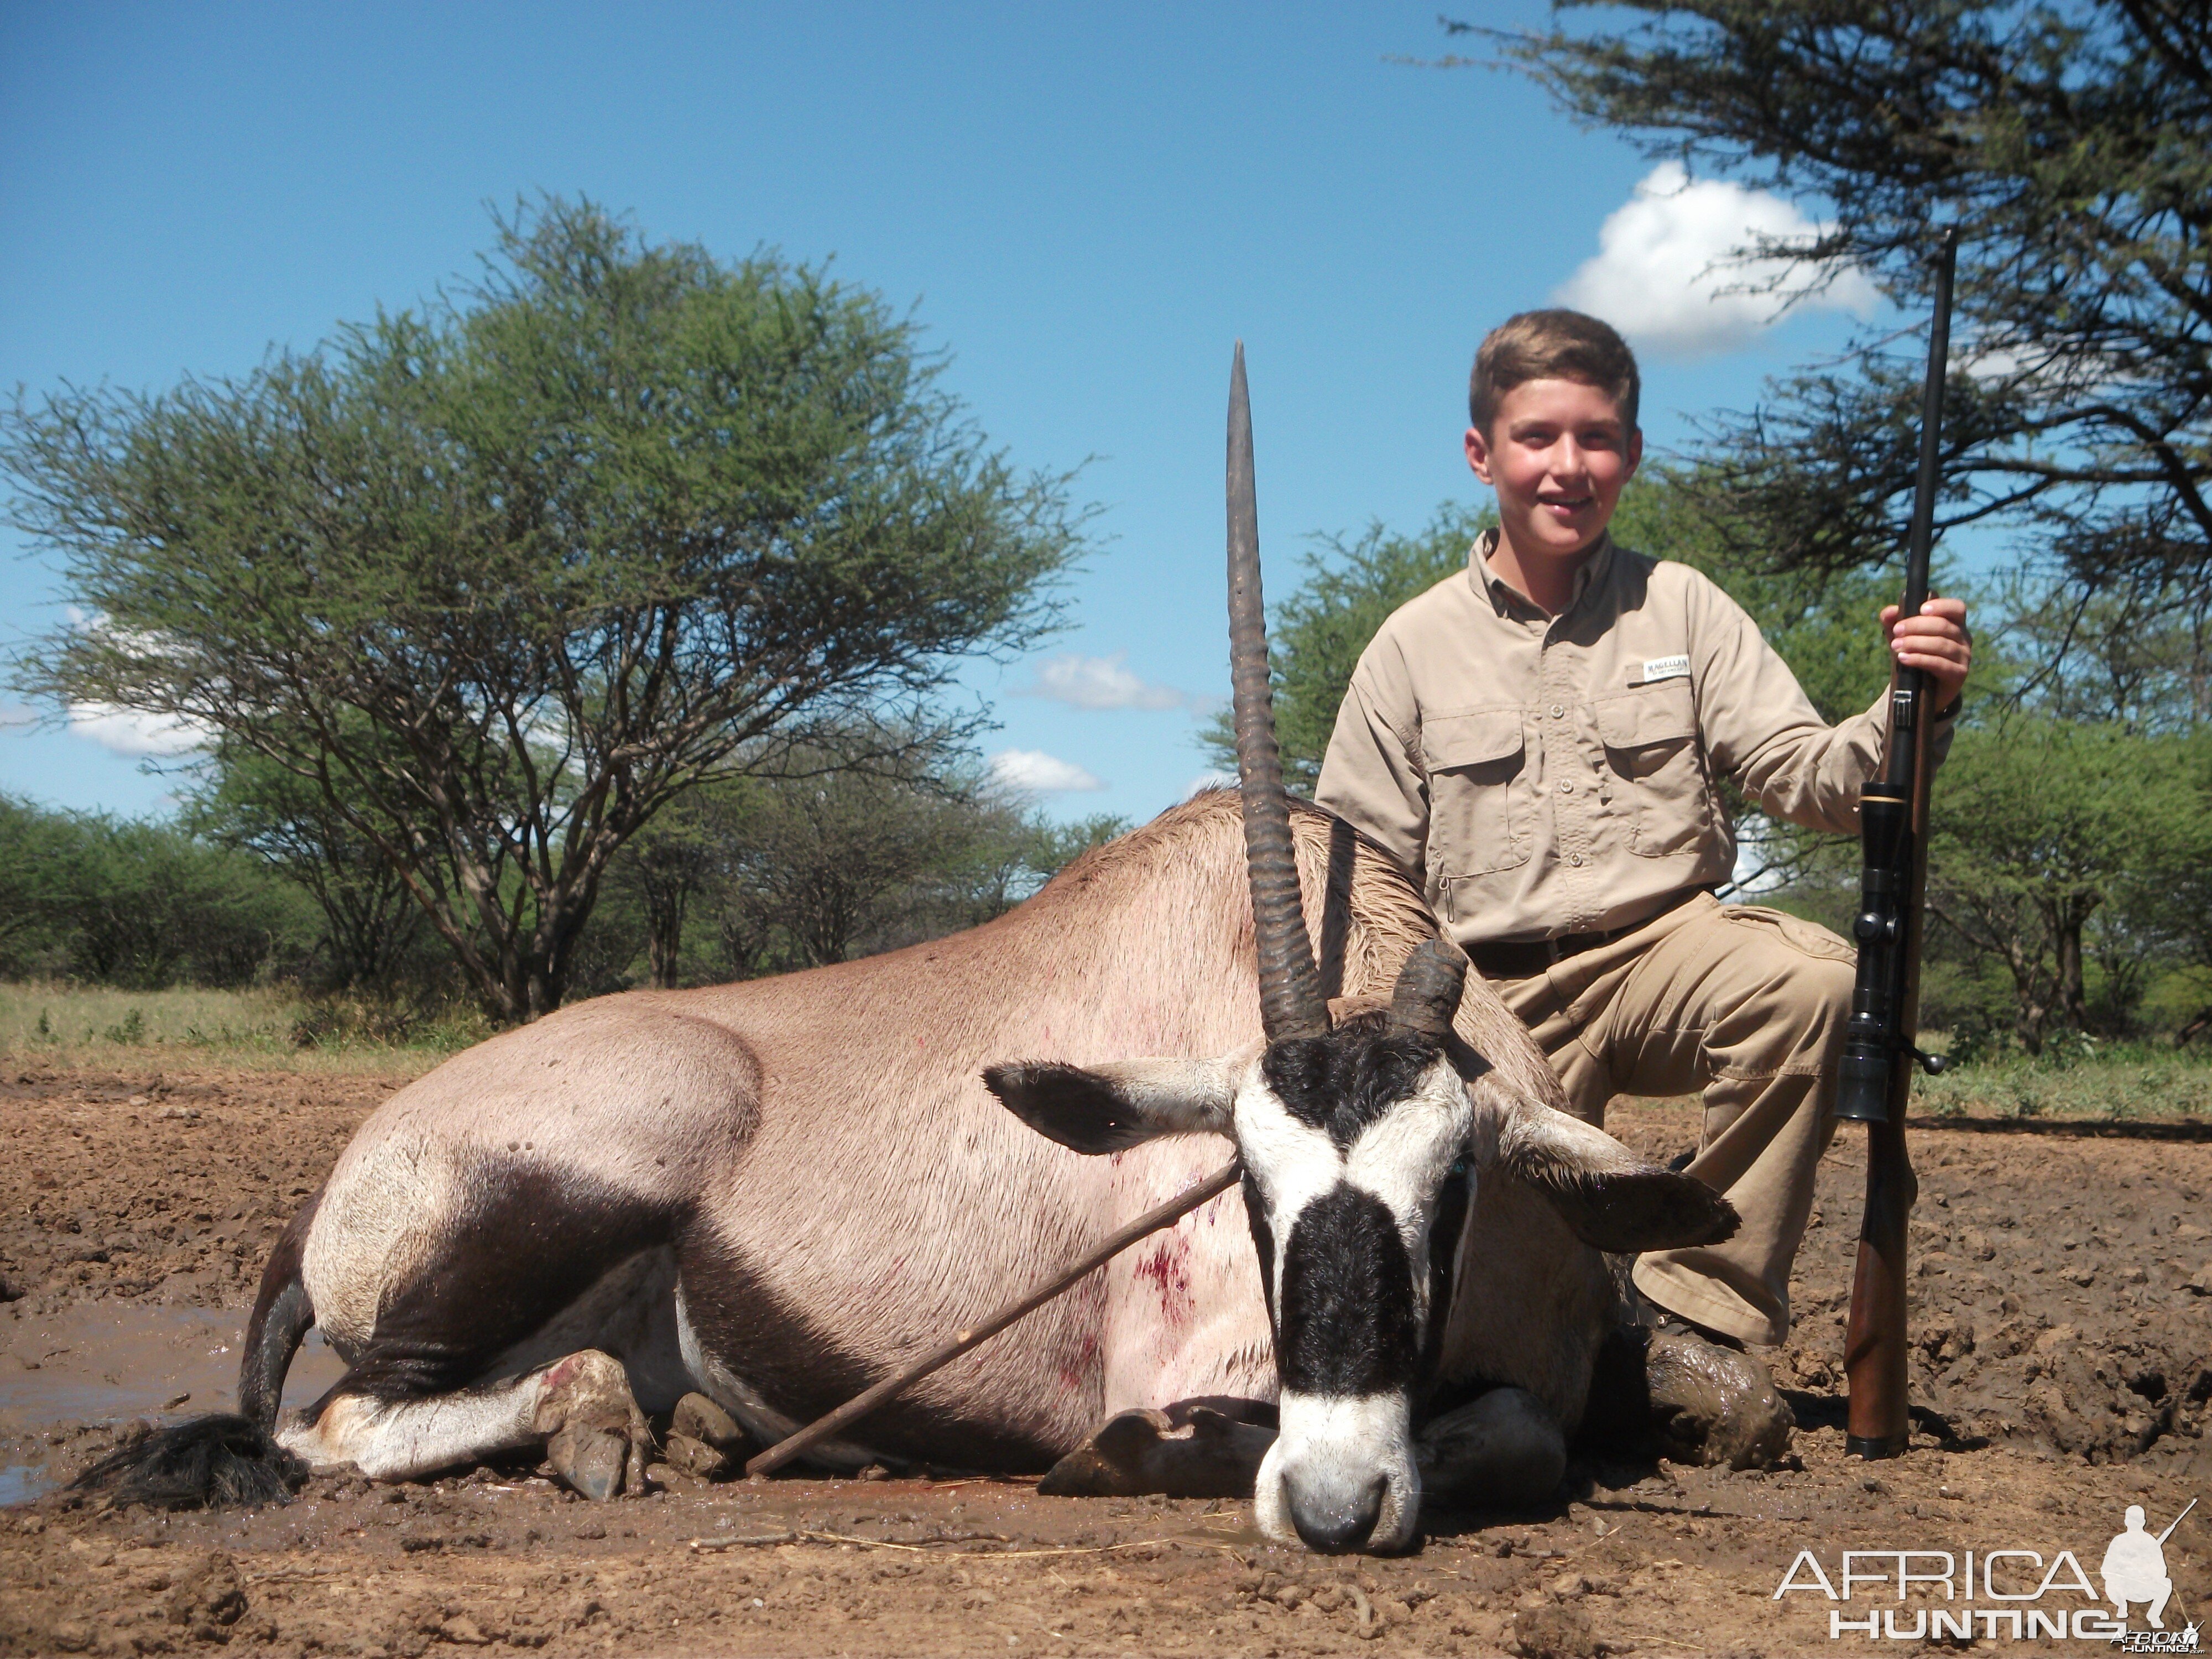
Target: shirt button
point(1558, 713)
point(1566, 786)
point(1575, 858)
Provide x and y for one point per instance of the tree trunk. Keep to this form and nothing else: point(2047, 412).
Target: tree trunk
point(664, 933)
point(2067, 918)
point(2030, 1012)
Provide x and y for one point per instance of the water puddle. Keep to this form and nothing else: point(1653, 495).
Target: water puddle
point(101, 1363)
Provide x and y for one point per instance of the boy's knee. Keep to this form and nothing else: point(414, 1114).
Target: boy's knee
point(1810, 998)
point(1828, 988)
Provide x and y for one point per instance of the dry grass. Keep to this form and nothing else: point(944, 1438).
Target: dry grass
point(276, 1029)
point(259, 1030)
point(2109, 1081)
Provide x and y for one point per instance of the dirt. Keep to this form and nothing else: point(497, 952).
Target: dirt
point(2063, 1317)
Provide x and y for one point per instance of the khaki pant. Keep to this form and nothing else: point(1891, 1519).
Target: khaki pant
point(1748, 1006)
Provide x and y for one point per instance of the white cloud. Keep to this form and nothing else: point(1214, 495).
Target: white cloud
point(129, 732)
point(1104, 682)
point(1213, 779)
point(1034, 770)
point(1667, 263)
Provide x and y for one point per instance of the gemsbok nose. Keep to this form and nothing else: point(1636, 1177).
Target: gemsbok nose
point(1332, 1516)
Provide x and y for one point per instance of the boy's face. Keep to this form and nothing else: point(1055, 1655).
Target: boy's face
point(1558, 454)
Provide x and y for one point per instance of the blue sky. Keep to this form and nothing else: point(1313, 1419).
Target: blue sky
point(1086, 205)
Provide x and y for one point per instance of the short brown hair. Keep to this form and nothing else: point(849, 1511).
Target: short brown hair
point(1552, 345)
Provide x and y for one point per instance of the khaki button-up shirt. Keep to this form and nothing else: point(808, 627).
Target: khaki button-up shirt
point(1544, 775)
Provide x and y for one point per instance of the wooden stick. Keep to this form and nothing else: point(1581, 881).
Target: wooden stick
point(858, 1406)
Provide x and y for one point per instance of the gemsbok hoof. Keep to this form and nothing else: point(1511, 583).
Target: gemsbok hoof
point(1189, 1450)
point(597, 1439)
point(1502, 1450)
point(1713, 1405)
point(589, 1461)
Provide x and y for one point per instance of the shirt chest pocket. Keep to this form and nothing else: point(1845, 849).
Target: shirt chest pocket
point(1480, 808)
point(1651, 738)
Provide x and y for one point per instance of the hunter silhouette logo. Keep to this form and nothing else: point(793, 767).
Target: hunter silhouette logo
point(2023, 1596)
point(2134, 1569)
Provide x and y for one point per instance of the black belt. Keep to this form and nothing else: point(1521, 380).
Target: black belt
point(1524, 958)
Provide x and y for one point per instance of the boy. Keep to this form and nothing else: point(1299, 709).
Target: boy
point(1538, 739)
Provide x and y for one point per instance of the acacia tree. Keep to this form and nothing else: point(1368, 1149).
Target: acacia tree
point(830, 861)
point(503, 577)
point(2071, 144)
point(2044, 828)
point(371, 926)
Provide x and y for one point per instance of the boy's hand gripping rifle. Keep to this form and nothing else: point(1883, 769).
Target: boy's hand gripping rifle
point(1875, 1075)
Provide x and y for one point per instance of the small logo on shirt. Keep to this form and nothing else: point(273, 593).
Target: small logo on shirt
point(1667, 668)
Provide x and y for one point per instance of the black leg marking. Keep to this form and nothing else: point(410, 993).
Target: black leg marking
point(528, 1241)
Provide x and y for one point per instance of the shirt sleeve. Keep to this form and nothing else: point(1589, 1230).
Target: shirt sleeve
point(1369, 777)
point(1760, 729)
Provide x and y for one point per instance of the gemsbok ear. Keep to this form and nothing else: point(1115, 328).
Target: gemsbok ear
point(1609, 1198)
point(1104, 1109)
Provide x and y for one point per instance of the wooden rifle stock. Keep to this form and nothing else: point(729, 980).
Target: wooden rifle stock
point(1875, 1081)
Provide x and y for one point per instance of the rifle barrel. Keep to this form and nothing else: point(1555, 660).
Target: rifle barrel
point(1921, 538)
point(1875, 1072)
point(1900, 762)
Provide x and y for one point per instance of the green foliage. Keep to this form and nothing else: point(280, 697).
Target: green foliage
point(833, 856)
point(2070, 144)
point(1316, 635)
point(500, 579)
point(2044, 833)
point(138, 904)
point(2080, 1078)
point(2137, 654)
point(263, 1026)
point(35, 846)
point(1046, 849)
point(375, 940)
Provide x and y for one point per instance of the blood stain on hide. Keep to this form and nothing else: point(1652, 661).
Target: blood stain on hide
point(1078, 1366)
point(1168, 1266)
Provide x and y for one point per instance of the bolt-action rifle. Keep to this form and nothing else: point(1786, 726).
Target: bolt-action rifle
point(1874, 1080)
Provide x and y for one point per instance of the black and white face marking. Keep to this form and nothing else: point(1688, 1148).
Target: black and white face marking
point(1353, 1146)
point(1348, 1140)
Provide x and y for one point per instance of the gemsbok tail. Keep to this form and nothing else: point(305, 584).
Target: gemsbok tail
point(227, 1459)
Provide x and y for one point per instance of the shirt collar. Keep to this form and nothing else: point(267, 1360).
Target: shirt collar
point(1510, 600)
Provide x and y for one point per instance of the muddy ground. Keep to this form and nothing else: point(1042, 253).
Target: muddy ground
point(2063, 1314)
